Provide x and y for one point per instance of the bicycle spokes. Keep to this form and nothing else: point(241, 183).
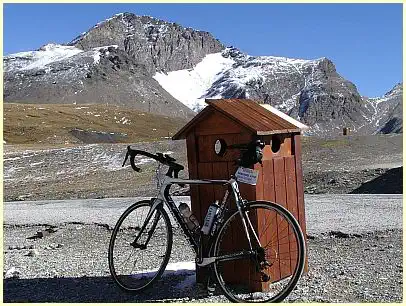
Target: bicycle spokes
point(142, 246)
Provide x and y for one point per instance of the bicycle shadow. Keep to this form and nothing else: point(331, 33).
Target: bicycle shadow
point(171, 287)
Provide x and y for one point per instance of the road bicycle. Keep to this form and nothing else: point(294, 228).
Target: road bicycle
point(255, 250)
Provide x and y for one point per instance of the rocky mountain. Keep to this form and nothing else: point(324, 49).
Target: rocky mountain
point(158, 44)
point(106, 75)
point(386, 112)
point(309, 90)
point(153, 65)
point(113, 62)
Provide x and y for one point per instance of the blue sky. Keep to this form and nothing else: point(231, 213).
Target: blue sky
point(363, 40)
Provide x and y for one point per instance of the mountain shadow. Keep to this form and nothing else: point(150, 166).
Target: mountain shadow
point(389, 182)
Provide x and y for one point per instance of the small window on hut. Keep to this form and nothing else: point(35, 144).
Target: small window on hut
point(220, 147)
point(275, 143)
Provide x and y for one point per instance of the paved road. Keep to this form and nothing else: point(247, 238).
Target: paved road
point(350, 213)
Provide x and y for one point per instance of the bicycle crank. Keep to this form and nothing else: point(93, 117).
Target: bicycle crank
point(138, 246)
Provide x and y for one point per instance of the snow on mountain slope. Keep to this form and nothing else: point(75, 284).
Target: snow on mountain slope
point(102, 75)
point(385, 113)
point(190, 85)
point(217, 73)
point(310, 91)
point(39, 59)
point(48, 54)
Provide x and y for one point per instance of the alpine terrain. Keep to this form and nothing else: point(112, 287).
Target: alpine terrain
point(151, 65)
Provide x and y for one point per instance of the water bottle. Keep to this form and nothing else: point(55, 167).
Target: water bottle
point(209, 219)
point(190, 219)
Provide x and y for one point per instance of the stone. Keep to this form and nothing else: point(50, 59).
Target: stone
point(32, 253)
point(12, 273)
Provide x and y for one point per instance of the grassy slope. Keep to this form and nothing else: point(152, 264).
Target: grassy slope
point(52, 123)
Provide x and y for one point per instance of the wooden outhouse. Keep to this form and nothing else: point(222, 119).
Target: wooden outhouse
point(238, 121)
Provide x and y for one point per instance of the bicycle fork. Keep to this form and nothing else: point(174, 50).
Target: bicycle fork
point(157, 216)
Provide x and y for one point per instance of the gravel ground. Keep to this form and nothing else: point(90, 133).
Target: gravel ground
point(71, 266)
point(347, 263)
point(356, 259)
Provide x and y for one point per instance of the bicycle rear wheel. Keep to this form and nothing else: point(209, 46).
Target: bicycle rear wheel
point(136, 267)
point(271, 270)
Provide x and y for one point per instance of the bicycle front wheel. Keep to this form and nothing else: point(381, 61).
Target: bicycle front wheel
point(267, 268)
point(135, 266)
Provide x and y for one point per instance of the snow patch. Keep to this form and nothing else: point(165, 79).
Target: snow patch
point(183, 265)
point(190, 85)
point(96, 57)
point(218, 72)
point(105, 48)
point(39, 59)
point(174, 268)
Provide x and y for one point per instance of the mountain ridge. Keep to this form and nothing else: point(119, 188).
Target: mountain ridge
point(146, 37)
point(150, 64)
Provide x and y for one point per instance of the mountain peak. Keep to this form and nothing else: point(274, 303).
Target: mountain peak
point(160, 45)
point(396, 90)
point(155, 62)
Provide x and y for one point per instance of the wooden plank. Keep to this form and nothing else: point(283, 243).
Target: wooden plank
point(232, 241)
point(206, 198)
point(285, 148)
point(268, 114)
point(205, 191)
point(189, 127)
point(271, 232)
point(299, 183)
point(268, 180)
point(217, 123)
point(268, 236)
point(283, 226)
point(251, 114)
point(290, 181)
point(220, 172)
point(248, 115)
point(193, 173)
point(245, 270)
point(291, 199)
point(272, 132)
point(254, 277)
point(259, 188)
point(299, 188)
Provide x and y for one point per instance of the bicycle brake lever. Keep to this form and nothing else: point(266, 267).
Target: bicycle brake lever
point(133, 164)
point(169, 158)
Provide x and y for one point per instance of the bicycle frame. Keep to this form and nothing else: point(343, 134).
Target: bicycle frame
point(164, 197)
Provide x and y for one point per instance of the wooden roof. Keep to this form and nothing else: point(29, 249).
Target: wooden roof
point(246, 112)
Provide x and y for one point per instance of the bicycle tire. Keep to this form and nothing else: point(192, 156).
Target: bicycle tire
point(276, 254)
point(145, 277)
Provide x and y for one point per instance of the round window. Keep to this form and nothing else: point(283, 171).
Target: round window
point(220, 147)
